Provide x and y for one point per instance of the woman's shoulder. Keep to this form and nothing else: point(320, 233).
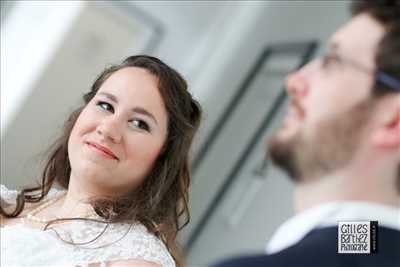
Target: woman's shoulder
point(8, 195)
point(7, 199)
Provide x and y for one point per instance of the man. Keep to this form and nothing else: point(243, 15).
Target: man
point(341, 145)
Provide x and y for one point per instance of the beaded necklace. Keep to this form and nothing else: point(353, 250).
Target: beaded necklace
point(32, 215)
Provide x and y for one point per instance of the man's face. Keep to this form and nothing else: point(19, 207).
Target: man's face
point(330, 104)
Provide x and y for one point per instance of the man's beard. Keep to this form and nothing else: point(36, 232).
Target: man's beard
point(329, 146)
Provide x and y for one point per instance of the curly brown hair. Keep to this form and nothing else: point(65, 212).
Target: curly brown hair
point(161, 201)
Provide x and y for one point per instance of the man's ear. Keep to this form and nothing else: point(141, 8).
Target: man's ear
point(387, 135)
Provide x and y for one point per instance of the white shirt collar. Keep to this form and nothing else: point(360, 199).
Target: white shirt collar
point(328, 214)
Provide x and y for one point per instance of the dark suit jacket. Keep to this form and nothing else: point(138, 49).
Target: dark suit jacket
point(319, 248)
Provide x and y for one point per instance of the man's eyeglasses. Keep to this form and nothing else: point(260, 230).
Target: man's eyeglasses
point(382, 77)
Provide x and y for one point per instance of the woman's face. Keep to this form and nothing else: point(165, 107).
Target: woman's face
point(119, 134)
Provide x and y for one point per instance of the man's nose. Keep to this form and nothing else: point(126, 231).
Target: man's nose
point(297, 85)
point(110, 128)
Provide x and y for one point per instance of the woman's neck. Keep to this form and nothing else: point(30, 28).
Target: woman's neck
point(76, 201)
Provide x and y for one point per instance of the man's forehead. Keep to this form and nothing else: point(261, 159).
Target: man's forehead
point(358, 38)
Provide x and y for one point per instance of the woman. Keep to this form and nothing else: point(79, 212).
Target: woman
point(123, 162)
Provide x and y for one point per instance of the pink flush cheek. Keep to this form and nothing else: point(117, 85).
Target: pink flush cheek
point(152, 154)
point(142, 151)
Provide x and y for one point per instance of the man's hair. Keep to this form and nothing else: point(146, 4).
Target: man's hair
point(387, 58)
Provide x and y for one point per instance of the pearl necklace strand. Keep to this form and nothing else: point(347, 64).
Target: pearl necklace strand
point(32, 215)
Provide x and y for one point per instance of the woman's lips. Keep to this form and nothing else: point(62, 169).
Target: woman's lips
point(102, 150)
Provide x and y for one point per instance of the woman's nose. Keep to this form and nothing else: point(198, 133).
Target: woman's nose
point(110, 129)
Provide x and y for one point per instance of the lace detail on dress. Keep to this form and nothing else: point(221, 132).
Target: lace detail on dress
point(47, 248)
point(114, 242)
point(8, 196)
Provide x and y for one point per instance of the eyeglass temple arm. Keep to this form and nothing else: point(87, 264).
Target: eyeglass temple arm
point(388, 80)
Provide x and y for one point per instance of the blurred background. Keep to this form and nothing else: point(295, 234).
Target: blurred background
point(234, 55)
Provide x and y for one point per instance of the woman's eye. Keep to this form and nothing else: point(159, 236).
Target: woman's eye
point(105, 106)
point(140, 124)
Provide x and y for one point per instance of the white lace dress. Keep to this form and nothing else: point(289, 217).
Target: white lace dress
point(22, 245)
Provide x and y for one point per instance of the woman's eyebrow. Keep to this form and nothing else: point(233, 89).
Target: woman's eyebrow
point(109, 96)
point(139, 110)
point(144, 112)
